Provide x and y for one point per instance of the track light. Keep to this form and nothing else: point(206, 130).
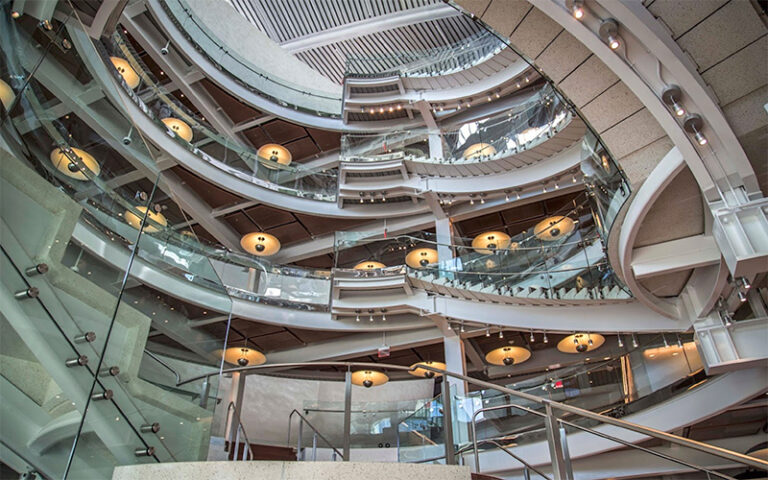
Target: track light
point(742, 296)
point(487, 331)
point(693, 125)
point(609, 32)
point(744, 283)
point(506, 196)
point(664, 339)
point(671, 97)
point(621, 342)
point(357, 317)
point(634, 341)
point(533, 339)
point(501, 333)
point(679, 341)
point(576, 7)
point(545, 339)
point(482, 198)
point(461, 328)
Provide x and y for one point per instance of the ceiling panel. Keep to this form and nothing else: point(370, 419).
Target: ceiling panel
point(212, 195)
point(302, 148)
point(269, 217)
point(281, 131)
point(236, 110)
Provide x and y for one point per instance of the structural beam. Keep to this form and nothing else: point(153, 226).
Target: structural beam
point(675, 255)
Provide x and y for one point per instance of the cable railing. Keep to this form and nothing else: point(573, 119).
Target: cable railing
point(552, 414)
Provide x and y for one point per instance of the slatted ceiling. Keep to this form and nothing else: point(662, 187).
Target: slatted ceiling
point(290, 233)
point(237, 111)
point(268, 217)
point(284, 21)
point(323, 261)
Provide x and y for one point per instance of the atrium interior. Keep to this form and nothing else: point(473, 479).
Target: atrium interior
point(384, 239)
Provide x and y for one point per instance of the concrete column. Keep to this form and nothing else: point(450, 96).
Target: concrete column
point(236, 393)
point(435, 144)
point(444, 231)
point(455, 361)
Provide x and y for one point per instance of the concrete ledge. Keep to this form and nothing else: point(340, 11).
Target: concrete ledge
point(268, 470)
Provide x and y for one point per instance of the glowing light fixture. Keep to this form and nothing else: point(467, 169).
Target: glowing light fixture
point(243, 356)
point(421, 257)
point(369, 378)
point(576, 7)
point(260, 243)
point(490, 242)
point(420, 372)
point(274, 154)
point(609, 32)
point(369, 265)
point(671, 97)
point(693, 124)
point(580, 343)
point(553, 228)
point(125, 70)
point(134, 220)
point(179, 127)
point(508, 355)
point(479, 150)
point(6, 95)
point(63, 163)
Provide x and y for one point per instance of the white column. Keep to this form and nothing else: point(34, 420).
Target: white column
point(455, 361)
point(444, 232)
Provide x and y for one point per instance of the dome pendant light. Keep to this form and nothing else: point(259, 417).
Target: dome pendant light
point(580, 343)
point(273, 155)
point(6, 95)
point(553, 228)
point(179, 128)
point(508, 355)
point(369, 378)
point(491, 242)
point(155, 217)
point(260, 244)
point(65, 165)
point(421, 257)
point(479, 151)
point(369, 265)
point(421, 372)
point(125, 70)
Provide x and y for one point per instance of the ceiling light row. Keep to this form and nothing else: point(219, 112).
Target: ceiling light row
point(381, 109)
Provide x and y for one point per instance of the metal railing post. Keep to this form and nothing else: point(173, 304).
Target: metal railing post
point(526, 474)
point(298, 442)
point(314, 447)
point(556, 454)
point(347, 413)
point(450, 454)
point(205, 390)
point(566, 453)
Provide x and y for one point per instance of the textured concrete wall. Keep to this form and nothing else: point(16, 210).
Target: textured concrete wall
point(291, 471)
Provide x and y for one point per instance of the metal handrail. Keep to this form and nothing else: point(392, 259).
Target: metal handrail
point(508, 452)
point(304, 419)
point(248, 455)
point(163, 363)
point(651, 432)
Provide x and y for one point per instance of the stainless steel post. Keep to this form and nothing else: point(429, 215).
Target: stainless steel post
point(314, 447)
point(347, 413)
point(298, 442)
point(566, 453)
point(526, 474)
point(556, 455)
point(450, 454)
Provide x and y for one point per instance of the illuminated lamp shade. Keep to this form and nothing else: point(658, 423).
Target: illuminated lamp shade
point(673, 350)
point(579, 343)
point(243, 356)
point(479, 150)
point(274, 153)
point(421, 257)
point(369, 265)
point(508, 355)
point(135, 220)
point(369, 378)
point(6, 95)
point(260, 243)
point(179, 127)
point(490, 242)
point(126, 71)
point(553, 228)
point(421, 372)
point(63, 163)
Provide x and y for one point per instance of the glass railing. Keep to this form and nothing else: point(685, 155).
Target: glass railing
point(223, 152)
point(442, 60)
point(252, 77)
point(564, 259)
point(540, 116)
point(56, 176)
point(639, 378)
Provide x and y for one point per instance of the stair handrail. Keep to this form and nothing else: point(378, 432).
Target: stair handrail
point(551, 404)
point(304, 419)
point(164, 364)
point(506, 450)
point(240, 428)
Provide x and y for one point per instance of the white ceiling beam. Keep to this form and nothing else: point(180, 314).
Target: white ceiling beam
point(361, 28)
point(675, 255)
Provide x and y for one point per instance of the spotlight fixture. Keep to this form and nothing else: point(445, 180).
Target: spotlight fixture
point(576, 8)
point(609, 32)
point(383, 315)
point(679, 340)
point(621, 342)
point(545, 339)
point(671, 97)
point(532, 338)
point(487, 331)
point(501, 333)
point(506, 196)
point(634, 341)
point(693, 124)
point(461, 328)
point(357, 315)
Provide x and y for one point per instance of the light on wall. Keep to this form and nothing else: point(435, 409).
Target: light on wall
point(243, 356)
point(693, 124)
point(66, 166)
point(369, 265)
point(6, 95)
point(369, 378)
point(609, 32)
point(508, 355)
point(553, 228)
point(576, 8)
point(125, 70)
point(580, 343)
point(260, 244)
point(178, 127)
point(671, 96)
point(135, 220)
point(490, 242)
point(273, 154)
point(421, 257)
point(420, 372)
